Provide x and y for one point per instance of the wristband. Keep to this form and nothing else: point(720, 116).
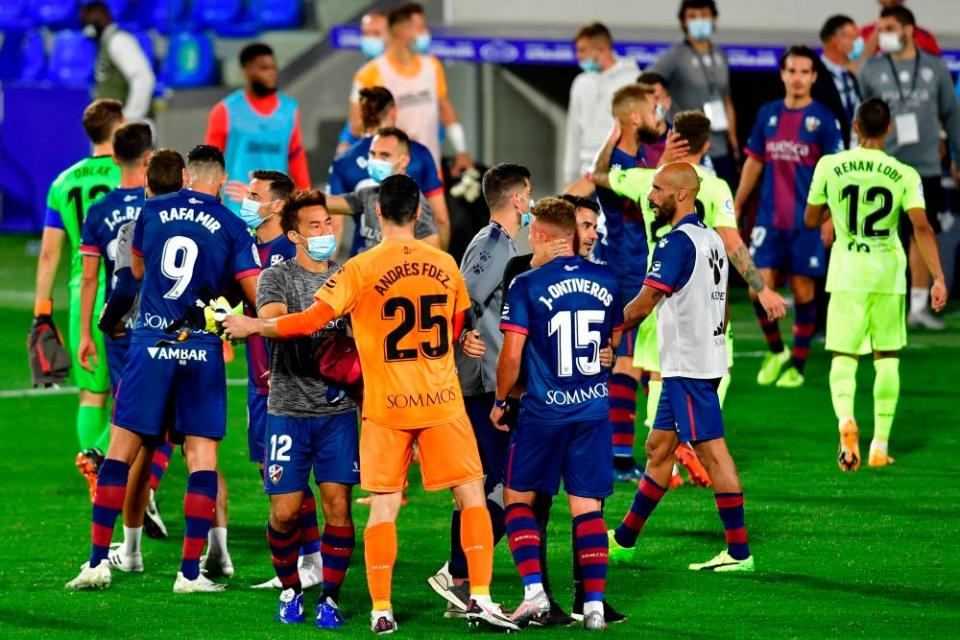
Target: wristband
point(458, 139)
point(500, 404)
point(42, 308)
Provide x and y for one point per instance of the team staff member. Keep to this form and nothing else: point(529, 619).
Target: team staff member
point(918, 88)
point(257, 128)
point(406, 302)
point(836, 87)
point(417, 81)
point(373, 39)
point(309, 425)
point(698, 75)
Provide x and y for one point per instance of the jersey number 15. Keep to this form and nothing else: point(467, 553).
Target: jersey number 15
point(574, 331)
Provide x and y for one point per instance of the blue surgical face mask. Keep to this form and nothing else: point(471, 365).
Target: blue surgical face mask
point(371, 46)
point(858, 46)
point(250, 213)
point(379, 170)
point(700, 28)
point(422, 43)
point(589, 66)
point(661, 112)
point(321, 248)
point(526, 216)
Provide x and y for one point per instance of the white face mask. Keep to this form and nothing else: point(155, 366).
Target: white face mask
point(890, 42)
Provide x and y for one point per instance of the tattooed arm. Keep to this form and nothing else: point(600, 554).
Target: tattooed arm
point(740, 258)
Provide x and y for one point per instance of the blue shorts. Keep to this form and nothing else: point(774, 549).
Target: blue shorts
point(492, 443)
point(116, 358)
point(256, 423)
point(186, 382)
point(627, 342)
point(540, 454)
point(328, 444)
point(691, 408)
point(800, 251)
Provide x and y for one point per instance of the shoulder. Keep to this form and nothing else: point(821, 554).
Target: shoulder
point(417, 149)
point(935, 62)
point(231, 98)
point(288, 101)
point(369, 74)
point(433, 62)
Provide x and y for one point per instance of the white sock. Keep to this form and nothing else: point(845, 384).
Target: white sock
point(483, 598)
point(131, 539)
point(532, 590)
point(878, 445)
point(593, 606)
point(310, 560)
point(217, 541)
point(918, 299)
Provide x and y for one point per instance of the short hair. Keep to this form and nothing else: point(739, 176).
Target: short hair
point(696, 4)
point(594, 31)
point(206, 153)
point(651, 78)
point(873, 117)
point(131, 141)
point(281, 186)
point(165, 172)
point(101, 118)
point(399, 198)
point(96, 6)
point(833, 24)
point(392, 132)
point(799, 51)
point(901, 14)
point(297, 200)
point(500, 180)
point(631, 93)
point(556, 212)
point(402, 13)
point(694, 127)
point(373, 102)
point(579, 202)
point(253, 51)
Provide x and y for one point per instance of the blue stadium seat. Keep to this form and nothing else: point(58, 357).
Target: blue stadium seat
point(163, 15)
point(279, 14)
point(72, 58)
point(210, 14)
point(14, 15)
point(121, 10)
point(56, 14)
point(22, 56)
point(189, 62)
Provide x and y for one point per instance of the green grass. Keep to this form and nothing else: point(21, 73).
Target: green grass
point(871, 554)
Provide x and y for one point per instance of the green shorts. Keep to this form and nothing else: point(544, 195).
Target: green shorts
point(646, 351)
point(860, 323)
point(99, 380)
point(729, 337)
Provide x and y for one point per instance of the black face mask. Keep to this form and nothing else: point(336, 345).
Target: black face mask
point(93, 30)
point(261, 90)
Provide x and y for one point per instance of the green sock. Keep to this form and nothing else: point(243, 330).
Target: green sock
point(103, 442)
point(843, 385)
point(90, 421)
point(722, 389)
point(886, 391)
point(653, 399)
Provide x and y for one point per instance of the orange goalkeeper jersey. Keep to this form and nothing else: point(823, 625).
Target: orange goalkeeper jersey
point(402, 296)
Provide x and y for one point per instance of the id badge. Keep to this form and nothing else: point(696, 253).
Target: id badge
point(908, 129)
point(716, 110)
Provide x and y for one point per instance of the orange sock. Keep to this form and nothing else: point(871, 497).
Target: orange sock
point(380, 553)
point(476, 538)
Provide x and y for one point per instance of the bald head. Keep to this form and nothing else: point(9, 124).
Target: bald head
point(674, 192)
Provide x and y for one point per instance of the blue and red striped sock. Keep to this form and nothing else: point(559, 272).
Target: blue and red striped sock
point(309, 527)
point(159, 464)
point(623, 404)
point(770, 328)
point(107, 505)
point(284, 552)
point(804, 326)
point(336, 549)
point(524, 537)
point(730, 507)
point(645, 500)
point(198, 506)
point(592, 551)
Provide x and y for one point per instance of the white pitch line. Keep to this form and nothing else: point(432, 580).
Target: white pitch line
point(64, 391)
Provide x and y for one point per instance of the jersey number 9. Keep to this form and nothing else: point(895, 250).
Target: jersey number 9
point(176, 263)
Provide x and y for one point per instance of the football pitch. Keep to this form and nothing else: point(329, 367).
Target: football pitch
point(867, 554)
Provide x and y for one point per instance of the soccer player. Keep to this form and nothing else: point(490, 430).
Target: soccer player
point(507, 190)
point(187, 246)
point(309, 425)
point(353, 169)
point(406, 301)
point(257, 128)
point(688, 280)
point(68, 200)
point(864, 190)
point(563, 312)
point(715, 204)
point(788, 138)
point(389, 155)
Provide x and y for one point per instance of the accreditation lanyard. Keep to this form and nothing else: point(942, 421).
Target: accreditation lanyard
point(913, 81)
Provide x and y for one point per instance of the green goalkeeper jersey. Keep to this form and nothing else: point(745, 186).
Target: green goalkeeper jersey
point(714, 202)
point(866, 190)
point(71, 194)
